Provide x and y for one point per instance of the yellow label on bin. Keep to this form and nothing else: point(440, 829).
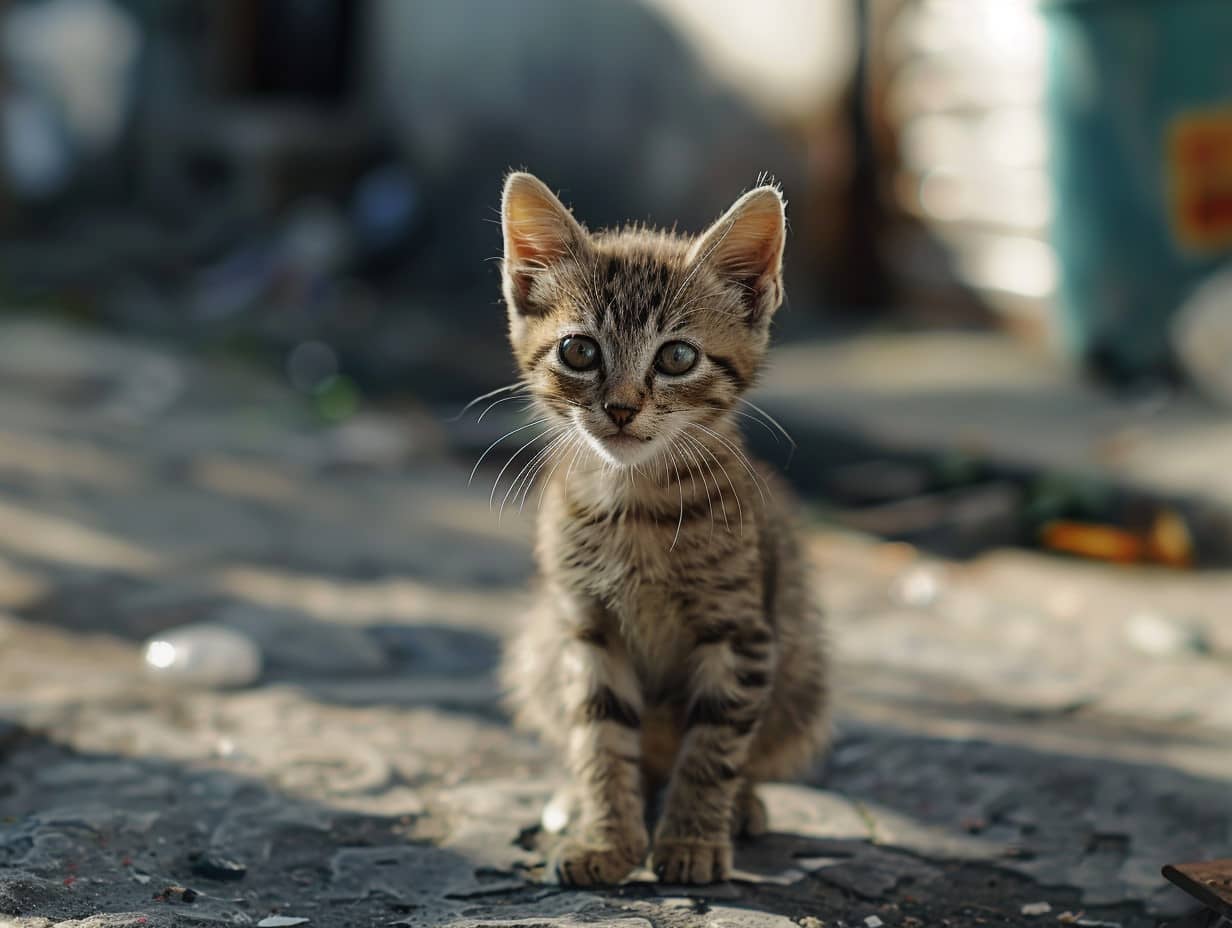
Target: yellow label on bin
point(1200, 164)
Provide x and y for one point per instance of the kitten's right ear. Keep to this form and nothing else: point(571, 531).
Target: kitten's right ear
point(745, 247)
point(539, 232)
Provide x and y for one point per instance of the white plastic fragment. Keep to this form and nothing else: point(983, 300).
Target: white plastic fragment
point(204, 654)
point(281, 921)
point(1036, 908)
point(556, 815)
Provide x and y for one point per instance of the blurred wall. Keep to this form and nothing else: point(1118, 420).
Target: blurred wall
point(329, 171)
point(603, 100)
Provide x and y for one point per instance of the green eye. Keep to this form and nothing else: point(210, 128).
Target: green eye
point(579, 352)
point(676, 358)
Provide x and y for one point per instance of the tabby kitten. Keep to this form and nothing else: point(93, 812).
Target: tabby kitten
point(675, 645)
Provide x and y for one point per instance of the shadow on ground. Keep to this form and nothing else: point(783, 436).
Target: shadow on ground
point(87, 833)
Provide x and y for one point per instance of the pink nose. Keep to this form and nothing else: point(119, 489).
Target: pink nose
point(621, 415)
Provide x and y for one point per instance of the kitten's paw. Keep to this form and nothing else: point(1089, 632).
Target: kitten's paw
point(578, 863)
point(749, 818)
point(690, 860)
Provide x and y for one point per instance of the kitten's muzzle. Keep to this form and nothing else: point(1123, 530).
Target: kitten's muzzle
point(621, 414)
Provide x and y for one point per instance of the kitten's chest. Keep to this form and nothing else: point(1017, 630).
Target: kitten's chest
point(632, 571)
point(644, 587)
point(612, 553)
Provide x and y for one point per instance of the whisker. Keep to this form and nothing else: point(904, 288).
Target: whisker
point(740, 456)
point(689, 445)
point(562, 399)
point(580, 445)
point(529, 483)
point(547, 481)
point(735, 493)
point(773, 421)
point(520, 428)
point(745, 415)
point(559, 444)
point(506, 399)
point(684, 449)
point(679, 518)
point(529, 468)
point(513, 457)
point(488, 395)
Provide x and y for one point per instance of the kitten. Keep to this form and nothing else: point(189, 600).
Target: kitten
point(675, 644)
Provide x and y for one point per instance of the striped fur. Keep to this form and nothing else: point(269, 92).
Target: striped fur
point(675, 647)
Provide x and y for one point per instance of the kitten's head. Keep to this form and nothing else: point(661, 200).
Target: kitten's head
point(634, 336)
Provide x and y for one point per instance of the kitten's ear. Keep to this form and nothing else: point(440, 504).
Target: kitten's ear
point(745, 246)
point(539, 232)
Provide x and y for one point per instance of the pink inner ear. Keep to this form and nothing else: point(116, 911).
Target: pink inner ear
point(750, 243)
point(748, 239)
point(535, 240)
point(538, 228)
point(746, 247)
point(538, 233)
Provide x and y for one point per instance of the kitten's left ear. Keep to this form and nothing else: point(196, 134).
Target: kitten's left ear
point(745, 246)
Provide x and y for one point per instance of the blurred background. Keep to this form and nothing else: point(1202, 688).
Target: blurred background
point(1029, 203)
point(248, 279)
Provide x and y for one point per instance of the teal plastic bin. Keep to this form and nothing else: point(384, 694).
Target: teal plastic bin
point(1140, 116)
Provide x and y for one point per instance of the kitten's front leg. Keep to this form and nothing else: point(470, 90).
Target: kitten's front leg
point(731, 675)
point(604, 703)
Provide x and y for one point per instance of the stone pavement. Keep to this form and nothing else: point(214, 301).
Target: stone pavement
point(998, 398)
point(1013, 729)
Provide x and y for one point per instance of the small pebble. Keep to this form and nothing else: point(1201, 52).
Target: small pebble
point(1165, 636)
point(873, 922)
point(919, 587)
point(216, 867)
point(170, 893)
point(812, 921)
point(1036, 908)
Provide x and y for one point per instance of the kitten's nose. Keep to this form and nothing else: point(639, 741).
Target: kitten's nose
point(620, 414)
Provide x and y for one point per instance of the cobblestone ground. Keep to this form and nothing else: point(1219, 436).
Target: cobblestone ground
point(1014, 730)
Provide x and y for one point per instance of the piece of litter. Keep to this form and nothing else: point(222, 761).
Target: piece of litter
point(203, 654)
point(1036, 908)
point(873, 922)
point(281, 921)
point(141, 878)
point(1070, 918)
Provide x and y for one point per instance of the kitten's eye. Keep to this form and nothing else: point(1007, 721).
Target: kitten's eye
point(579, 352)
point(676, 358)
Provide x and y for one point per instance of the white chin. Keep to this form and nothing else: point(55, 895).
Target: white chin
point(621, 453)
